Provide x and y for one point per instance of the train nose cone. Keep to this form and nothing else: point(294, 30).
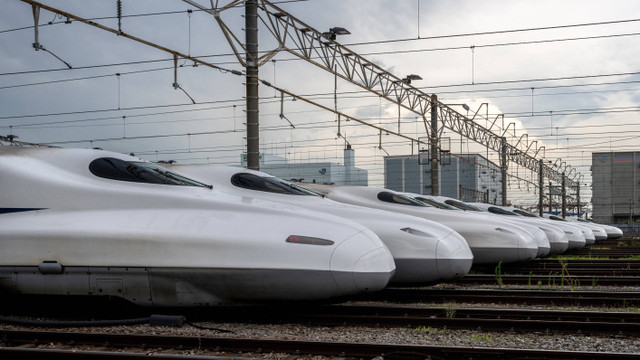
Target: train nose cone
point(589, 236)
point(369, 275)
point(544, 246)
point(576, 239)
point(362, 263)
point(453, 257)
point(599, 234)
point(558, 241)
point(527, 247)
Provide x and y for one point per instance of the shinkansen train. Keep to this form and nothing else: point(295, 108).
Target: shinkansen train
point(588, 234)
point(558, 240)
point(613, 232)
point(424, 251)
point(575, 235)
point(490, 241)
point(92, 222)
point(542, 240)
point(598, 231)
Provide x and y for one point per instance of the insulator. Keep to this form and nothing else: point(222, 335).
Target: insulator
point(119, 9)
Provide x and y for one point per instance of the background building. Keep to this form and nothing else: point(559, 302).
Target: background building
point(319, 172)
point(616, 187)
point(469, 177)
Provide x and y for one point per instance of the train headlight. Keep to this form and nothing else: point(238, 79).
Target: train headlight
point(299, 239)
point(504, 230)
point(416, 232)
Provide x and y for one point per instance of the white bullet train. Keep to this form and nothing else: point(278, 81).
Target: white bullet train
point(544, 247)
point(577, 239)
point(91, 222)
point(558, 240)
point(424, 251)
point(598, 231)
point(490, 241)
point(588, 234)
point(612, 231)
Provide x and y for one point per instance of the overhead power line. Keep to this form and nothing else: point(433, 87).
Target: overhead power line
point(494, 32)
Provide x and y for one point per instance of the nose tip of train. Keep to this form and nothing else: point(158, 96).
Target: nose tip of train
point(544, 246)
point(453, 257)
point(373, 271)
point(577, 239)
point(558, 240)
point(528, 247)
point(362, 264)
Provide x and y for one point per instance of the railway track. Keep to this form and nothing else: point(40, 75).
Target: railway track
point(554, 279)
point(611, 299)
point(605, 272)
point(450, 317)
point(13, 340)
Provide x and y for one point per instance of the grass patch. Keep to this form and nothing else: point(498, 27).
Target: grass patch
point(429, 330)
point(487, 338)
point(578, 257)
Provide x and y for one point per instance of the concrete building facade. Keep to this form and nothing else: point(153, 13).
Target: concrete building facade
point(616, 187)
point(320, 172)
point(469, 177)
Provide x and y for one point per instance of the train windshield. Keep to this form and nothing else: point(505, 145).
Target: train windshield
point(435, 203)
point(138, 171)
point(463, 206)
point(497, 210)
point(268, 184)
point(524, 213)
point(400, 199)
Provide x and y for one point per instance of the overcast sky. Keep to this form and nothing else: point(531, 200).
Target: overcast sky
point(568, 80)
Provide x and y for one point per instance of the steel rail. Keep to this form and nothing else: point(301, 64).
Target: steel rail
point(535, 295)
point(341, 349)
point(554, 278)
point(600, 271)
point(18, 353)
point(515, 320)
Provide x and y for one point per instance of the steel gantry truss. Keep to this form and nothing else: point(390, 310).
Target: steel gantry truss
point(316, 47)
point(320, 49)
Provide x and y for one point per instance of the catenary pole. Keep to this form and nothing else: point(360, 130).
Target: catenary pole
point(564, 197)
point(435, 185)
point(253, 120)
point(541, 189)
point(503, 170)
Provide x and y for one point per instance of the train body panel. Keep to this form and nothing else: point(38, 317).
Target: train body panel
point(611, 231)
point(490, 241)
point(558, 240)
point(194, 245)
point(599, 233)
point(424, 251)
point(542, 240)
point(575, 236)
point(583, 235)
